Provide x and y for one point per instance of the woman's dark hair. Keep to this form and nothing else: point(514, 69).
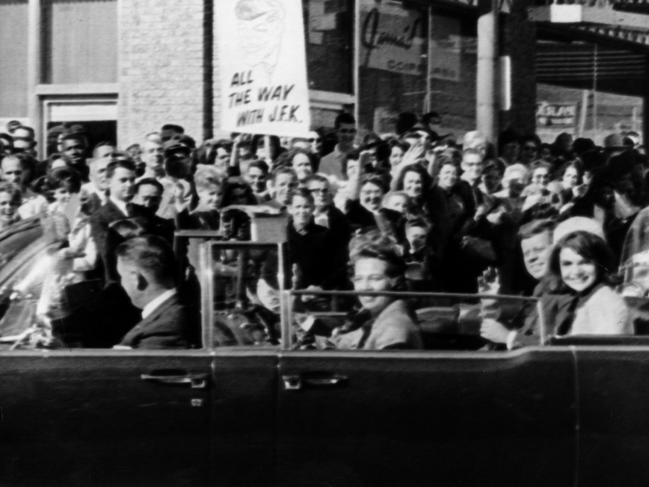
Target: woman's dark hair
point(235, 224)
point(576, 163)
point(275, 148)
point(383, 151)
point(261, 165)
point(450, 156)
point(233, 184)
point(494, 165)
point(374, 179)
point(426, 181)
point(592, 248)
point(353, 155)
point(402, 144)
point(286, 158)
point(66, 178)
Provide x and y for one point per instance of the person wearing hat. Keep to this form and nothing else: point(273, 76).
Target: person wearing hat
point(614, 144)
point(24, 140)
point(6, 144)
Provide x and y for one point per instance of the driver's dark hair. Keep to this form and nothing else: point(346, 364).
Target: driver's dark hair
point(66, 178)
point(151, 254)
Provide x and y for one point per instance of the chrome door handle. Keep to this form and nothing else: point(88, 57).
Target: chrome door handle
point(292, 382)
point(195, 381)
point(295, 382)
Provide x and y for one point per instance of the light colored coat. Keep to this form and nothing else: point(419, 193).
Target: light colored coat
point(392, 328)
point(604, 313)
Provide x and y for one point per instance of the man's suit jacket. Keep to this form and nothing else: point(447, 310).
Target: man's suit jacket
point(100, 221)
point(170, 325)
point(107, 242)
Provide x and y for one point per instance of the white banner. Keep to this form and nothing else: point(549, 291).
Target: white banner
point(262, 67)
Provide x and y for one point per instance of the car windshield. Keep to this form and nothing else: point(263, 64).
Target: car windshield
point(25, 259)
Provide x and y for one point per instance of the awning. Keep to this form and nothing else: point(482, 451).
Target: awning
point(623, 20)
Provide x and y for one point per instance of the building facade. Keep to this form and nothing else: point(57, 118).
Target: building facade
point(125, 67)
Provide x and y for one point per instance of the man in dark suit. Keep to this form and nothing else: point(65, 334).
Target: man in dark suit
point(121, 178)
point(118, 206)
point(147, 196)
point(147, 268)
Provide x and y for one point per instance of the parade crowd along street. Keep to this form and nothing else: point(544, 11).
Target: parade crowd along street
point(410, 210)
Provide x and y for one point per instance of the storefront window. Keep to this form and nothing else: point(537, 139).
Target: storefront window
point(588, 91)
point(394, 64)
point(80, 41)
point(13, 59)
point(329, 53)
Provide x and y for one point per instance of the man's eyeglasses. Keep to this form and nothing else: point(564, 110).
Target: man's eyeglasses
point(319, 190)
point(347, 131)
point(530, 147)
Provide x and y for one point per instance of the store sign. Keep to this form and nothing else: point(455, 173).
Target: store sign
point(556, 114)
point(262, 67)
point(392, 38)
point(445, 48)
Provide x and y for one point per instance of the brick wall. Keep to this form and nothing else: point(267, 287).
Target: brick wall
point(160, 67)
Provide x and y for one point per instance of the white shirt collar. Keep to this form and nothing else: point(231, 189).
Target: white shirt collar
point(155, 303)
point(120, 204)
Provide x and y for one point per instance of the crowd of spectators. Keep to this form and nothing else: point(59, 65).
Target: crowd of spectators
point(459, 215)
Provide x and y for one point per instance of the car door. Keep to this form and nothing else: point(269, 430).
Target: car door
point(104, 417)
point(426, 418)
point(614, 424)
point(243, 427)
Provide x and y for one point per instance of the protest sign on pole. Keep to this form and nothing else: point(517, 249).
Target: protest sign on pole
point(262, 67)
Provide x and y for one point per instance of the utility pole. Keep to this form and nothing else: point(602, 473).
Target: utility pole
point(487, 78)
